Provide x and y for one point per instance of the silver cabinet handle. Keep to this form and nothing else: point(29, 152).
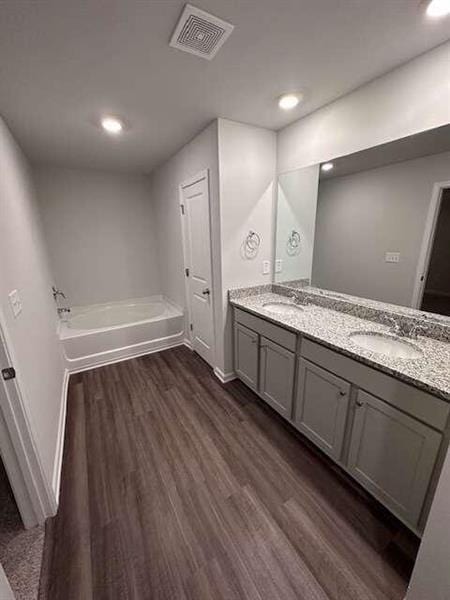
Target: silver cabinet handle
point(206, 292)
point(359, 403)
point(342, 393)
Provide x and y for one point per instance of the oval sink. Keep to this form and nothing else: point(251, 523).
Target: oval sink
point(385, 344)
point(282, 308)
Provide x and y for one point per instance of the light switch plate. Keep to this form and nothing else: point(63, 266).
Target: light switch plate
point(392, 257)
point(278, 265)
point(266, 267)
point(15, 303)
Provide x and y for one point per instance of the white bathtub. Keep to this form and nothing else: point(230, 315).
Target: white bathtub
point(104, 333)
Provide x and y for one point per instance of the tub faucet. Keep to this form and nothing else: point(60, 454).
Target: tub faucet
point(57, 293)
point(62, 311)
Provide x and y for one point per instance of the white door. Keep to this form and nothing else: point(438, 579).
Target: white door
point(196, 226)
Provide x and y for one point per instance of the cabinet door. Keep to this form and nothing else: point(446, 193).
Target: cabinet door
point(277, 367)
point(246, 355)
point(321, 407)
point(392, 455)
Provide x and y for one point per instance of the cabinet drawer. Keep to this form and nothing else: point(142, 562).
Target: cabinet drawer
point(276, 334)
point(392, 455)
point(415, 402)
point(321, 407)
point(276, 384)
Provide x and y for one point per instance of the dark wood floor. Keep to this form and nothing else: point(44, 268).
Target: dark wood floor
point(176, 487)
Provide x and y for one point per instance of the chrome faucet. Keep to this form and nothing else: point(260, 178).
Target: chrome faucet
point(298, 298)
point(403, 328)
point(57, 293)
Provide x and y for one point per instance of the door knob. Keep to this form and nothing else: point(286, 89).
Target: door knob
point(359, 403)
point(206, 292)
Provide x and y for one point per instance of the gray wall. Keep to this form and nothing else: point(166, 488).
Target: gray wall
point(431, 576)
point(361, 216)
point(101, 233)
point(412, 98)
point(247, 164)
point(31, 338)
point(241, 162)
point(199, 154)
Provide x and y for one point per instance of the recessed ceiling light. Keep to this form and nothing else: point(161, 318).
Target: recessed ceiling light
point(288, 101)
point(327, 166)
point(112, 125)
point(438, 8)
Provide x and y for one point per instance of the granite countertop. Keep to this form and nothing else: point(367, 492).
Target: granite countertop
point(430, 372)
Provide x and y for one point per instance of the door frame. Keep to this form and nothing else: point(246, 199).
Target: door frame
point(203, 174)
point(34, 498)
point(423, 262)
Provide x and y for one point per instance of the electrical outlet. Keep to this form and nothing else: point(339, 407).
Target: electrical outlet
point(15, 303)
point(266, 267)
point(278, 265)
point(392, 257)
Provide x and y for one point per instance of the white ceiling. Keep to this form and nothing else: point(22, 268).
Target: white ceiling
point(64, 62)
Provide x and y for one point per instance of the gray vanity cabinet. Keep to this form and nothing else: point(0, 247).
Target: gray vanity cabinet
point(321, 407)
point(391, 437)
point(392, 455)
point(276, 384)
point(246, 355)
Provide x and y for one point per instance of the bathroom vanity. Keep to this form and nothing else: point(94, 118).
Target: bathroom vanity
point(381, 413)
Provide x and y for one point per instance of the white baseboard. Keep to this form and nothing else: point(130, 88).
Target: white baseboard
point(224, 377)
point(56, 479)
point(188, 343)
point(102, 359)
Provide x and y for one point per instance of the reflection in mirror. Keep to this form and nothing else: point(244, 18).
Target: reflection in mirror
point(296, 216)
point(376, 225)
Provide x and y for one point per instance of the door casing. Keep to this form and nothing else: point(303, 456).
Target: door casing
point(203, 174)
point(427, 243)
point(34, 498)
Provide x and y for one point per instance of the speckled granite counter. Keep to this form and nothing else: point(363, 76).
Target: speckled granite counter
point(430, 372)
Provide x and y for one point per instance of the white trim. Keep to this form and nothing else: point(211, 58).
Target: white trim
point(32, 491)
point(102, 359)
point(6, 592)
point(427, 243)
point(56, 479)
point(224, 377)
point(188, 343)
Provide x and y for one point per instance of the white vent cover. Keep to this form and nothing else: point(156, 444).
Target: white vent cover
point(200, 33)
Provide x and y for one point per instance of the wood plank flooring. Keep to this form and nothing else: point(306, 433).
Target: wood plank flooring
point(176, 487)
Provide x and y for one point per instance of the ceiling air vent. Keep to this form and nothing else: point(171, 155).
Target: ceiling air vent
point(200, 33)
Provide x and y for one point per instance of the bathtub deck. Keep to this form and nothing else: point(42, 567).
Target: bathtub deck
point(176, 487)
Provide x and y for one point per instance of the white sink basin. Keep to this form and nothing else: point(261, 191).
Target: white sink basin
point(385, 344)
point(282, 308)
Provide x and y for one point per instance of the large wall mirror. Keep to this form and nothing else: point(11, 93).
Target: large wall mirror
point(374, 224)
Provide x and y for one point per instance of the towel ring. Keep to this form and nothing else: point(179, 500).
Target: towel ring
point(252, 241)
point(293, 243)
point(294, 239)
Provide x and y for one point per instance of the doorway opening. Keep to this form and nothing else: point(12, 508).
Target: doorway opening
point(20, 549)
point(436, 291)
point(432, 288)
